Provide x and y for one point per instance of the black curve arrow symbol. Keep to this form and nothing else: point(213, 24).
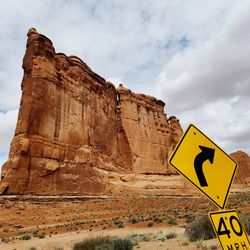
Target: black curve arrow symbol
point(205, 154)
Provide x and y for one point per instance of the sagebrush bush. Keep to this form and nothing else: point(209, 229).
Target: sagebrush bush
point(134, 220)
point(6, 240)
point(104, 243)
point(25, 237)
point(157, 220)
point(246, 221)
point(120, 225)
point(200, 229)
point(150, 224)
point(171, 236)
point(189, 218)
point(93, 243)
point(172, 221)
point(122, 244)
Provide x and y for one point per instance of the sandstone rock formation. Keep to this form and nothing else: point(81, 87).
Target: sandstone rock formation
point(74, 128)
point(243, 174)
point(151, 136)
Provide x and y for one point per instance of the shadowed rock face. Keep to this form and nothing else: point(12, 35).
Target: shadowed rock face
point(74, 128)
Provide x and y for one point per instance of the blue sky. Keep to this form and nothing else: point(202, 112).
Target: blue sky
point(194, 55)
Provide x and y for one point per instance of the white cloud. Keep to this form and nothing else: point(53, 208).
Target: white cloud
point(195, 52)
point(209, 84)
point(8, 122)
point(126, 39)
point(3, 158)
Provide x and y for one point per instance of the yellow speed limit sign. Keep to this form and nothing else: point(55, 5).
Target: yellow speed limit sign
point(230, 230)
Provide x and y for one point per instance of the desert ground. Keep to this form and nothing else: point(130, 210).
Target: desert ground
point(44, 222)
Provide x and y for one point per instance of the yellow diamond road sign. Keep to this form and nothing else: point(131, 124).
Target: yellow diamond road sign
point(230, 230)
point(205, 165)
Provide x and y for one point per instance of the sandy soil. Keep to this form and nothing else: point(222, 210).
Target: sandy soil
point(60, 222)
point(67, 240)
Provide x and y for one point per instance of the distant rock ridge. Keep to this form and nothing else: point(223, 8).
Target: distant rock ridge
point(74, 128)
point(243, 173)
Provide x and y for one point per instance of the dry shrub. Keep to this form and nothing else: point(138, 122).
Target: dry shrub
point(200, 229)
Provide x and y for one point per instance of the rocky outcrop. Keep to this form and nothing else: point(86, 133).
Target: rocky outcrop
point(151, 136)
point(243, 173)
point(74, 128)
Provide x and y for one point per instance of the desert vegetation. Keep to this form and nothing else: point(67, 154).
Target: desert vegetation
point(107, 243)
point(200, 229)
point(32, 219)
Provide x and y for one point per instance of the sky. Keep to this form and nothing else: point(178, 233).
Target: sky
point(194, 55)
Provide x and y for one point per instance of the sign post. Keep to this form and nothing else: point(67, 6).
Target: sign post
point(212, 171)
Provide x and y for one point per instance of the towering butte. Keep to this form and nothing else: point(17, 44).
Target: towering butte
point(74, 128)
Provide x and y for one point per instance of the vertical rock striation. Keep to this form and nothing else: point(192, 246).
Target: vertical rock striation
point(151, 136)
point(74, 127)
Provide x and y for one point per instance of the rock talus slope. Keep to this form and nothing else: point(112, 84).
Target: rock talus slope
point(74, 128)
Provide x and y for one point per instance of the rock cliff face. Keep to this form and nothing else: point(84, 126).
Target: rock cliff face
point(243, 173)
point(151, 136)
point(74, 128)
